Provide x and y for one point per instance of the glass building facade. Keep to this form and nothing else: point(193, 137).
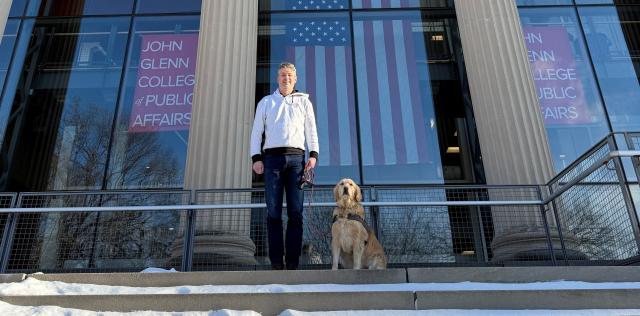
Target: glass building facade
point(71, 72)
point(585, 58)
point(98, 95)
point(387, 79)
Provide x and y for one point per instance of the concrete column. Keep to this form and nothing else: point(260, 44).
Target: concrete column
point(222, 115)
point(5, 5)
point(511, 130)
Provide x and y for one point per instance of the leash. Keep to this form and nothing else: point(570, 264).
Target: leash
point(308, 178)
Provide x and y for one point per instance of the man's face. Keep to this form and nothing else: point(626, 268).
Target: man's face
point(286, 80)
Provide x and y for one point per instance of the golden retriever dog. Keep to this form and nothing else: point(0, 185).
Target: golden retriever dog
point(353, 243)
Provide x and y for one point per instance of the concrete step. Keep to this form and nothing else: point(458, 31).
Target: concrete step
point(264, 303)
point(274, 303)
point(535, 299)
point(389, 276)
point(524, 274)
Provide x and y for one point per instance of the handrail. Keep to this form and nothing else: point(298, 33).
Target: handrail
point(255, 205)
point(595, 166)
point(566, 186)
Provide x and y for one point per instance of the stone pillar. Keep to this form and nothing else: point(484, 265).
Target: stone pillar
point(222, 117)
point(511, 130)
point(5, 6)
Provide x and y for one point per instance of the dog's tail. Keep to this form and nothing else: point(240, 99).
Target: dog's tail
point(377, 262)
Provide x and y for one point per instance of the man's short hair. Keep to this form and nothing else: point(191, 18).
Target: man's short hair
point(287, 65)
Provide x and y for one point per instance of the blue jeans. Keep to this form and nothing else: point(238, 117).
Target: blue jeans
point(283, 173)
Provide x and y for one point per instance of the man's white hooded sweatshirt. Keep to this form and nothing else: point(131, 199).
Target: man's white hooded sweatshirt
point(286, 123)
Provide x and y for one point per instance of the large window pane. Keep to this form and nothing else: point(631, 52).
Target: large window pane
point(398, 126)
point(17, 7)
point(150, 139)
point(569, 98)
point(319, 45)
point(7, 43)
point(623, 2)
point(168, 6)
point(11, 80)
point(58, 134)
point(79, 7)
point(612, 36)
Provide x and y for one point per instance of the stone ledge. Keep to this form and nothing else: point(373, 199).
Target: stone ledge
point(389, 276)
point(265, 303)
point(9, 278)
point(538, 299)
point(525, 274)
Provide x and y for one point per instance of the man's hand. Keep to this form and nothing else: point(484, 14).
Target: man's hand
point(258, 167)
point(310, 164)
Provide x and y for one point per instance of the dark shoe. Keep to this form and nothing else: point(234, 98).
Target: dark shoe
point(292, 266)
point(277, 266)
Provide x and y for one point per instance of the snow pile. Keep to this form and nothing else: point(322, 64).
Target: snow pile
point(158, 270)
point(13, 310)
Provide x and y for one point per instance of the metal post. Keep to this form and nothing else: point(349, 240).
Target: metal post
point(375, 212)
point(478, 232)
point(628, 200)
point(634, 160)
point(543, 213)
point(7, 237)
point(189, 236)
point(554, 209)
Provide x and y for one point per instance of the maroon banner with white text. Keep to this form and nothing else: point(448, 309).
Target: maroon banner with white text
point(558, 83)
point(164, 86)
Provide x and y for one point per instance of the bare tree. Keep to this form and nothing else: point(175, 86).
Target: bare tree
point(84, 237)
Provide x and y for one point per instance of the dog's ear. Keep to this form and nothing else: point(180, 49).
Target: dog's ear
point(358, 194)
point(336, 196)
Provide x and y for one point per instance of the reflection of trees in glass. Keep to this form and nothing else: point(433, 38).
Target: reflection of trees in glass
point(137, 239)
point(596, 216)
point(317, 235)
point(416, 234)
point(80, 157)
point(143, 163)
point(145, 237)
point(79, 160)
point(82, 143)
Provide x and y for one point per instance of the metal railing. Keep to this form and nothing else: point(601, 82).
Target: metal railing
point(584, 215)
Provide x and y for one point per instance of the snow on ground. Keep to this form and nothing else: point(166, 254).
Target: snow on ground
point(157, 270)
point(31, 286)
point(13, 310)
point(7, 309)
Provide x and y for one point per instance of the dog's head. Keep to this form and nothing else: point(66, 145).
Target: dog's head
point(347, 193)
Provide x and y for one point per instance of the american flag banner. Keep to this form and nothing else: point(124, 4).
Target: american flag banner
point(390, 94)
point(309, 4)
point(385, 4)
point(393, 123)
point(321, 51)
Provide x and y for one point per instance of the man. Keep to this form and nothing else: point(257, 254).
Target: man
point(286, 118)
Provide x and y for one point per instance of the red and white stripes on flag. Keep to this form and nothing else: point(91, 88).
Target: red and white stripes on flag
point(389, 94)
point(321, 51)
point(325, 73)
point(375, 4)
point(391, 118)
